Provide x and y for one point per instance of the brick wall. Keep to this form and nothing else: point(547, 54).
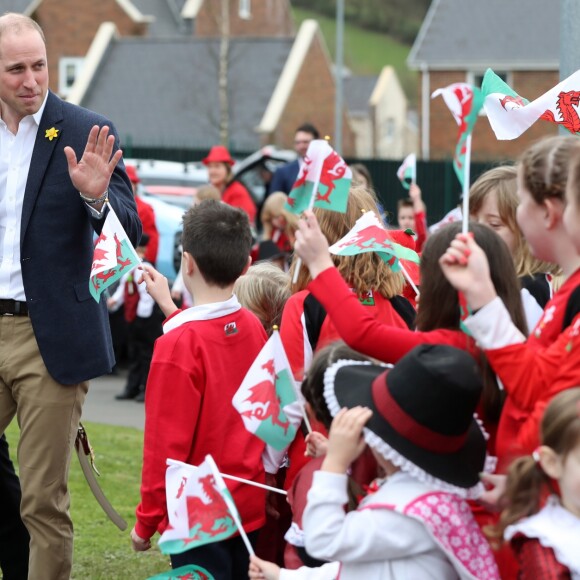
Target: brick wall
point(443, 129)
point(312, 101)
point(70, 26)
point(270, 18)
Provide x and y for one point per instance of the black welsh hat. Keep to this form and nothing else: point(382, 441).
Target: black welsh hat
point(423, 413)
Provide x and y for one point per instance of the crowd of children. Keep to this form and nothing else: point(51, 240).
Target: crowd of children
point(411, 410)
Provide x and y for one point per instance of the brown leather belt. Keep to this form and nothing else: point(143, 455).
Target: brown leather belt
point(13, 308)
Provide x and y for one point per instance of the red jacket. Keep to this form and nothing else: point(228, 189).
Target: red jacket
point(237, 195)
point(530, 371)
point(196, 370)
point(147, 217)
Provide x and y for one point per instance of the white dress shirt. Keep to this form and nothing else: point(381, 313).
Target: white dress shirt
point(15, 156)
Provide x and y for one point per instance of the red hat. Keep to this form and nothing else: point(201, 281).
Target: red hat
point(132, 174)
point(218, 154)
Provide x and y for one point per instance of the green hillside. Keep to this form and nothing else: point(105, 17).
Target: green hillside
point(366, 52)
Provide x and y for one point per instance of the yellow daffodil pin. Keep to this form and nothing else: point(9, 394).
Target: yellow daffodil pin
point(51, 133)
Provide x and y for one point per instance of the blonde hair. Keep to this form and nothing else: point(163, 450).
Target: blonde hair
point(263, 290)
point(503, 182)
point(207, 191)
point(364, 272)
point(544, 167)
point(274, 207)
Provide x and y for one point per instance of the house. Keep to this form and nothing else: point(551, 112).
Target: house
point(459, 40)
point(378, 110)
point(152, 66)
point(163, 92)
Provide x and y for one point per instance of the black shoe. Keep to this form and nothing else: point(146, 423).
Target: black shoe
point(140, 398)
point(126, 395)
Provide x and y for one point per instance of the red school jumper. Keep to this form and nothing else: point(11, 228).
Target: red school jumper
point(528, 371)
point(197, 368)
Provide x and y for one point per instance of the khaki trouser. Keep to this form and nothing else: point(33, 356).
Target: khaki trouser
point(48, 414)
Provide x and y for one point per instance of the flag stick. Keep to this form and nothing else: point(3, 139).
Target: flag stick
point(310, 206)
point(408, 278)
point(466, 177)
point(262, 485)
point(232, 477)
point(233, 513)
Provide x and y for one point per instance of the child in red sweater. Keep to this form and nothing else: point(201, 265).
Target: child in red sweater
point(198, 365)
point(546, 538)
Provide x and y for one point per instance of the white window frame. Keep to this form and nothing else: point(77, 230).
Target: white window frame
point(245, 9)
point(471, 80)
point(63, 64)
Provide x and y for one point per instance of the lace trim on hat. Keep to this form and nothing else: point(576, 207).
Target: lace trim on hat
point(386, 450)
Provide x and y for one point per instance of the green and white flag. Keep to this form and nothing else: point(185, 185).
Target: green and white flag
point(407, 173)
point(510, 115)
point(114, 255)
point(267, 398)
point(323, 181)
point(464, 101)
point(199, 506)
point(369, 235)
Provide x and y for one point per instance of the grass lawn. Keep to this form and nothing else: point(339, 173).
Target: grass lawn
point(366, 52)
point(102, 551)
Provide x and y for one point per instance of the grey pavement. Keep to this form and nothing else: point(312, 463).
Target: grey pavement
point(101, 407)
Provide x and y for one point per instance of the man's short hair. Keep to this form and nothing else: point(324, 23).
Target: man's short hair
point(219, 238)
point(14, 22)
point(308, 128)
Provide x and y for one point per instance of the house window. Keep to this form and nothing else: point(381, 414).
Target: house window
point(245, 9)
point(476, 78)
point(390, 129)
point(69, 69)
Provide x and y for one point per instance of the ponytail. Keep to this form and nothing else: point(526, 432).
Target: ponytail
point(525, 483)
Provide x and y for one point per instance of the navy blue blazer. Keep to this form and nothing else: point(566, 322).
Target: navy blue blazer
point(285, 177)
point(56, 248)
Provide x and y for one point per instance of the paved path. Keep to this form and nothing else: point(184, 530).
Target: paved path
point(101, 407)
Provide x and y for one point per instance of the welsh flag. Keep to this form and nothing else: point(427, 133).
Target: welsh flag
point(267, 398)
point(190, 572)
point(199, 505)
point(113, 256)
point(323, 181)
point(369, 235)
point(407, 173)
point(510, 115)
point(464, 101)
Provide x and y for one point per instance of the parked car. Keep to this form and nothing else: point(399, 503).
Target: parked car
point(261, 164)
point(156, 172)
point(179, 195)
point(168, 219)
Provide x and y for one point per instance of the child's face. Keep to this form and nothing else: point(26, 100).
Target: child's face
point(530, 217)
point(406, 218)
point(572, 216)
point(570, 481)
point(279, 222)
point(488, 215)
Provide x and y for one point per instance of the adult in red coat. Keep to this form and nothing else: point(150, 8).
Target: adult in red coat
point(219, 167)
point(147, 217)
